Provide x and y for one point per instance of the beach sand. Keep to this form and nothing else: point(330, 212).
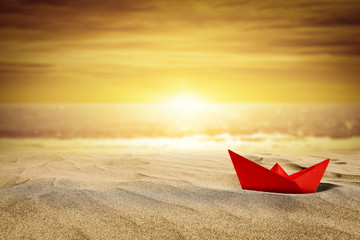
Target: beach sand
point(110, 193)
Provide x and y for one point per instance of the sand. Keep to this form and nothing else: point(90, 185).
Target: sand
point(109, 193)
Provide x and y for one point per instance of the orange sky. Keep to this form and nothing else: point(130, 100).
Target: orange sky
point(152, 50)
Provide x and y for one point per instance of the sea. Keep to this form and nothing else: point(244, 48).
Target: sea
point(250, 126)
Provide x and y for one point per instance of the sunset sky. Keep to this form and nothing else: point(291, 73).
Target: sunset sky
point(153, 50)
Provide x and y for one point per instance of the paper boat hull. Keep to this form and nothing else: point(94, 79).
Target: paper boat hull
point(252, 176)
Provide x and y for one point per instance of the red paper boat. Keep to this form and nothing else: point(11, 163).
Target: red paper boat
point(252, 176)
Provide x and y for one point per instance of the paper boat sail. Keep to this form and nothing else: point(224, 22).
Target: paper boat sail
point(252, 176)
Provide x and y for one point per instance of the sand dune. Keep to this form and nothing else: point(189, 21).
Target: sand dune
point(122, 194)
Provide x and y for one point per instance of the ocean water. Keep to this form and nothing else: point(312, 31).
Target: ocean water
point(158, 125)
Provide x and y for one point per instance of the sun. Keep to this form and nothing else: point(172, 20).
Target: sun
point(186, 103)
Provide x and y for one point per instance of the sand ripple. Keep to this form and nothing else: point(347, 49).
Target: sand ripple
point(112, 194)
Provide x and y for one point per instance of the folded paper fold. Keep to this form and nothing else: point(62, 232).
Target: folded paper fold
point(252, 176)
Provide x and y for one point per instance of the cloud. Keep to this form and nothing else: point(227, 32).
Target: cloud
point(16, 73)
point(132, 42)
point(53, 17)
point(45, 2)
point(116, 5)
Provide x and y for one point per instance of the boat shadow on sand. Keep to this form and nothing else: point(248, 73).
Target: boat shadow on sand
point(325, 187)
